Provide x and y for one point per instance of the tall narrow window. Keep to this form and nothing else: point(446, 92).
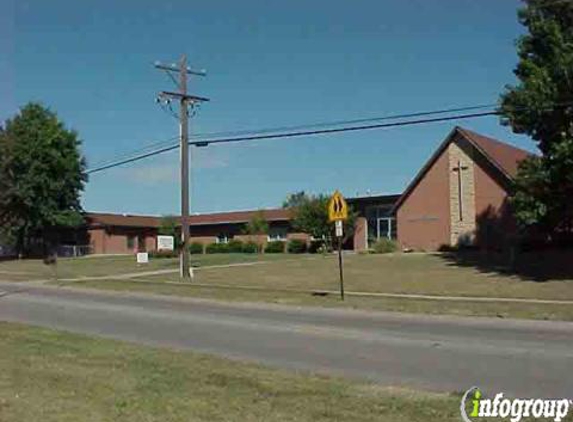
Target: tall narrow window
point(130, 242)
point(223, 238)
point(277, 233)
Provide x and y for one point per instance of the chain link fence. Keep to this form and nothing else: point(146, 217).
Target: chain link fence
point(74, 251)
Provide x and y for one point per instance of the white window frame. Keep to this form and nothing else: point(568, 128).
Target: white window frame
point(278, 236)
point(222, 238)
point(388, 234)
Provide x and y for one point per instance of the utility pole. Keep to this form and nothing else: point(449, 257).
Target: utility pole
point(185, 102)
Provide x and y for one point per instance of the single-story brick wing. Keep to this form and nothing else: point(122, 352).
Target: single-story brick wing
point(459, 196)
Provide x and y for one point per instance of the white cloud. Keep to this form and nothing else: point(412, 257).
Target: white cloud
point(167, 170)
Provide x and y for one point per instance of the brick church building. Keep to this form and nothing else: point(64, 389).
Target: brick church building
point(458, 197)
point(460, 194)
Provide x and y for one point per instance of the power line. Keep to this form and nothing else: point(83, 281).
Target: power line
point(202, 143)
point(206, 136)
point(347, 122)
point(206, 142)
point(146, 148)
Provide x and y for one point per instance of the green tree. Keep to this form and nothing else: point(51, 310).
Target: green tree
point(42, 174)
point(310, 216)
point(541, 106)
point(169, 226)
point(257, 227)
point(293, 200)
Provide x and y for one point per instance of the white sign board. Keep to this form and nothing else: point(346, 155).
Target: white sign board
point(338, 227)
point(165, 243)
point(142, 258)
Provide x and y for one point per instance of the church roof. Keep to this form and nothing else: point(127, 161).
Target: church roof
point(503, 156)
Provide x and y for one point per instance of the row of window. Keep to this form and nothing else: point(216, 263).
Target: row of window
point(377, 228)
point(274, 235)
point(384, 227)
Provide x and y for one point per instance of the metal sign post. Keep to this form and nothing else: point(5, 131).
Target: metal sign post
point(338, 213)
point(339, 234)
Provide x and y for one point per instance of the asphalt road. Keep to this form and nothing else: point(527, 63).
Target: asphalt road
point(519, 358)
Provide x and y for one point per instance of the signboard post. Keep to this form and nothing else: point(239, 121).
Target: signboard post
point(338, 213)
point(142, 258)
point(165, 243)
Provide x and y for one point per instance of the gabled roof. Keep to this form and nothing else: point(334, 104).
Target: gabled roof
point(127, 220)
point(504, 157)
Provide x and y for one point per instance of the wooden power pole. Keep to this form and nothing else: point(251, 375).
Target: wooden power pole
point(185, 102)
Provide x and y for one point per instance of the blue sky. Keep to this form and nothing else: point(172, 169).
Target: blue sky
point(270, 63)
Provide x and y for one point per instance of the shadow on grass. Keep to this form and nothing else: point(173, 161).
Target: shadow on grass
point(539, 266)
point(492, 252)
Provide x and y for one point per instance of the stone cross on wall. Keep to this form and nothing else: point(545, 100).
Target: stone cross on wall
point(459, 168)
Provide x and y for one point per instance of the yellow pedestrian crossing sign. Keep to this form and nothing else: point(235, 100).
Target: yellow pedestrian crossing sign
point(337, 208)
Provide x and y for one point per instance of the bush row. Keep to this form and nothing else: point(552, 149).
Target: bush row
point(234, 246)
point(384, 246)
point(294, 246)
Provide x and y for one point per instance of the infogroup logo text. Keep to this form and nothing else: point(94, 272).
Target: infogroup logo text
point(512, 409)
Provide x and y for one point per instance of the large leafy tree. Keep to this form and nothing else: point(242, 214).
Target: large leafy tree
point(169, 226)
point(311, 217)
point(42, 174)
point(256, 227)
point(293, 200)
point(541, 106)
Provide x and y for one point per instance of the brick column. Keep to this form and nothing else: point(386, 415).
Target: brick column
point(360, 234)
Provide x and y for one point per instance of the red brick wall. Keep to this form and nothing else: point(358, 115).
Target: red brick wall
point(205, 240)
point(97, 240)
point(117, 244)
point(150, 243)
point(489, 194)
point(298, 236)
point(360, 242)
point(494, 223)
point(423, 218)
point(114, 240)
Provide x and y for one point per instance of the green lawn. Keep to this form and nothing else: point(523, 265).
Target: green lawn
point(400, 273)
point(34, 269)
point(397, 273)
point(55, 376)
point(462, 308)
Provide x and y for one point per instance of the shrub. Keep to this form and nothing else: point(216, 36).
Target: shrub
point(296, 246)
point(196, 248)
point(250, 247)
point(319, 246)
point(447, 248)
point(217, 248)
point(277, 246)
point(235, 246)
point(163, 254)
point(315, 245)
point(324, 249)
point(385, 246)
